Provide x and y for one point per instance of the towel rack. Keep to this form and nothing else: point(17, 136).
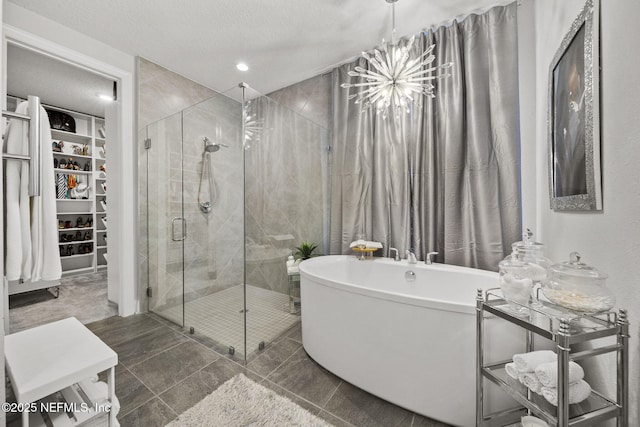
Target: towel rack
point(34, 157)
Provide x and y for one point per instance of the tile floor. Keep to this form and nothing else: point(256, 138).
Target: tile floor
point(77, 294)
point(163, 372)
point(220, 316)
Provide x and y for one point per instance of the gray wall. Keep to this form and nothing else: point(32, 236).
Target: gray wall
point(286, 175)
point(161, 94)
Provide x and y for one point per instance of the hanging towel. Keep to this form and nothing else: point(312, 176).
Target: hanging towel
point(528, 362)
point(578, 391)
point(44, 222)
point(530, 380)
point(18, 261)
point(547, 373)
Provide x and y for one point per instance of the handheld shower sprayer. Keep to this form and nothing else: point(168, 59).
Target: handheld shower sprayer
point(208, 148)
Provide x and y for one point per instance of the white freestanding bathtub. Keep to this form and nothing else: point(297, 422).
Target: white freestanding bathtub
point(410, 342)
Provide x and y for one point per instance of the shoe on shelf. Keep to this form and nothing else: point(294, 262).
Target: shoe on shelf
point(79, 222)
point(104, 186)
point(69, 250)
point(89, 223)
point(87, 235)
point(60, 224)
point(103, 203)
point(78, 236)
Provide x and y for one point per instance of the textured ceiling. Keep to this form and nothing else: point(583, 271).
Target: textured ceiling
point(283, 41)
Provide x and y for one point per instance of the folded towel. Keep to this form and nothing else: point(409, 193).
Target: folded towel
point(530, 380)
point(528, 362)
point(366, 244)
point(578, 391)
point(548, 373)
point(357, 243)
point(511, 370)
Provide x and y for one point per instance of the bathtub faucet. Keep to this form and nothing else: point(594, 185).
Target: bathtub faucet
point(397, 256)
point(411, 257)
point(430, 257)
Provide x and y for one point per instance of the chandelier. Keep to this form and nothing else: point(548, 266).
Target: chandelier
point(393, 79)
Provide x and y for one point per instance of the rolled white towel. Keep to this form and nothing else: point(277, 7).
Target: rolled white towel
point(547, 373)
point(578, 391)
point(528, 362)
point(511, 370)
point(530, 380)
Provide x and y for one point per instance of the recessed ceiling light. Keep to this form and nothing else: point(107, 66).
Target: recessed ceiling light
point(105, 97)
point(242, 66)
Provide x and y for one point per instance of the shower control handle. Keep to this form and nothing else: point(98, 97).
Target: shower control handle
point(173, 229)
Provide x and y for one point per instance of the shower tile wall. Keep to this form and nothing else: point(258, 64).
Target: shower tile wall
point(285, 203)
point(161, 93)
point(163, 198)
point(310, 99)
point(286, 166)
point(214, 245)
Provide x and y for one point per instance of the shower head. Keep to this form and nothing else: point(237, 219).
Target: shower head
point(211, 147)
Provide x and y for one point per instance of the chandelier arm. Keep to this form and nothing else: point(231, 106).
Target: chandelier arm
point(382, 62)
point(363, 84)
point(395, 76)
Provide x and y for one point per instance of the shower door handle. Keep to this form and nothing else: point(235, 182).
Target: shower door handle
point(173, 229)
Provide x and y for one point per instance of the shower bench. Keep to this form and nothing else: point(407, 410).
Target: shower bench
point(59, 357)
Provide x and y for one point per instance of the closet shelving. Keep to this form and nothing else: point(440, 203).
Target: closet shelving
point(564, 328)
point(89, 133)
point(100, 146)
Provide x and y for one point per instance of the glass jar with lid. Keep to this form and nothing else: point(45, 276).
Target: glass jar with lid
point(516, 282)
point(578, 286)
point(533, 253)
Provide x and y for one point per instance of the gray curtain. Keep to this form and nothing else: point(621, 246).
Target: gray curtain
point(445, 176)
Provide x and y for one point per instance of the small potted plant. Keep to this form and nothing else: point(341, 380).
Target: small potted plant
point(305, 251)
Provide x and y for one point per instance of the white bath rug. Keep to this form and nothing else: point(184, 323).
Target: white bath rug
point(241, 402)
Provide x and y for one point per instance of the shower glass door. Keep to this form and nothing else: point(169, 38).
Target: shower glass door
point(234, 184)
point(166, 227)
point(213, 250)
point(286, 188)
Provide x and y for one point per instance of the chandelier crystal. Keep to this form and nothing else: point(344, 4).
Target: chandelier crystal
point(394, 79)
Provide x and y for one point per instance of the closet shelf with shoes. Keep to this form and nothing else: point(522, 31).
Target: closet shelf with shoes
point(79, 159)
point(62, 154)
point(78, 152)
point(77, 138)
point(72, 171)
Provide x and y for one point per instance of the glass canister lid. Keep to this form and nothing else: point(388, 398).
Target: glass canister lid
point(574, 268)
point(527, 242)
point(514, 263)
point(578, 286)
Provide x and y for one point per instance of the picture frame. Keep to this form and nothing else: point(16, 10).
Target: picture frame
point(573, 120)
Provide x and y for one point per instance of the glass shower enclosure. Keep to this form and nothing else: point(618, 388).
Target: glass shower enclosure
point(233, 185)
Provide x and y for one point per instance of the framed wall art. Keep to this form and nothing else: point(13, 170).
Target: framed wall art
point(574, 117)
